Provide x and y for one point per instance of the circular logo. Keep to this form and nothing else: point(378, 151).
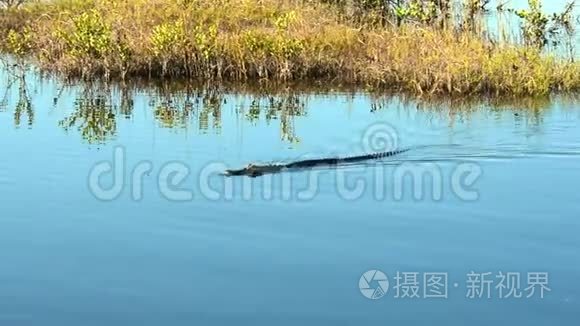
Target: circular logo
point(380, 137)
point(373, 284)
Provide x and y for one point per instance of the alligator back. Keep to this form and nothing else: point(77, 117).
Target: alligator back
point(253, 170)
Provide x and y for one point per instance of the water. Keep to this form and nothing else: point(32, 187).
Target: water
point(280, 255)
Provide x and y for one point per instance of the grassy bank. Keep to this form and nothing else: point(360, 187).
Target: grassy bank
point(416, 48)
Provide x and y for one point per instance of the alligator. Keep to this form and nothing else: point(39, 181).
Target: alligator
point(256, 170)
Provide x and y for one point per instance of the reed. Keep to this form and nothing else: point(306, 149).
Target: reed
point(419, 46)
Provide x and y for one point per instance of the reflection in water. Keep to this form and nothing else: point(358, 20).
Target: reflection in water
point(178, 106)
point(171, 115)
point(527, 110)
point(94, 117)
point(127, 103)
point(211, 105)
point(178, 109)
point(23, 105)
point(284, 108)
point(98, 107)
point(96, 111)
point(173, 110)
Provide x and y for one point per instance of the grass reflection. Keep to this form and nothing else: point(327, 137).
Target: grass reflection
point(98, 107)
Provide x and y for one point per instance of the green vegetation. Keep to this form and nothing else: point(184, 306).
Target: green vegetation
point(418, 46)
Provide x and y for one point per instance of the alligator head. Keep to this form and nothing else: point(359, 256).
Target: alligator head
point(250, 170)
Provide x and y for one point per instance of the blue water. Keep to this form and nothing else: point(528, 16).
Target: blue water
point(280, 255)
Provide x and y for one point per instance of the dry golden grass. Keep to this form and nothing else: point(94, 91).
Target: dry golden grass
point(274, 40)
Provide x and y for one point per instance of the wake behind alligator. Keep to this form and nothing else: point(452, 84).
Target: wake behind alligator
point(255, 170)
